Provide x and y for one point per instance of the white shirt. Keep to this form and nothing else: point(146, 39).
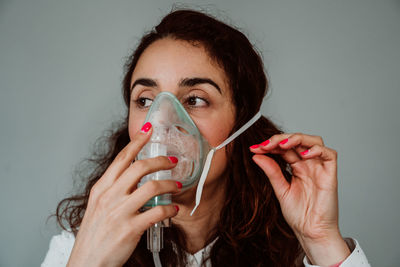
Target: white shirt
point(61, 247)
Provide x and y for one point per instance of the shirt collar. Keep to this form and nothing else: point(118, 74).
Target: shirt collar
point(198, 257)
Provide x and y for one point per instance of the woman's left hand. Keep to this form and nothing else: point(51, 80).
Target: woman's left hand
point(309, 202)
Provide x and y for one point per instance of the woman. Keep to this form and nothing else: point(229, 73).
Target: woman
point(269, 196)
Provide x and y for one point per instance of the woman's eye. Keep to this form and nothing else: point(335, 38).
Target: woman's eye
point(144, 102)
point(195, 101)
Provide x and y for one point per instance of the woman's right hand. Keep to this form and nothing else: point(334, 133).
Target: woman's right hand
point(112, 225)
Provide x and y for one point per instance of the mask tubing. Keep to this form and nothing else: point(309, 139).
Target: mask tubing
point(155, 242)
point(155, 238)
point(156, 259)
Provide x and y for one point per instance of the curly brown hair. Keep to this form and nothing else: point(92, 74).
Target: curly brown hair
point(252, 230)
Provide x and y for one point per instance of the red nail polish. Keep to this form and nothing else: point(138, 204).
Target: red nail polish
point(284, 141)
point(305, 152)
point(178, 184)
point(173, 159)
point(177, 208)
point(254, 146)
point(146, 127)
point(266, 142)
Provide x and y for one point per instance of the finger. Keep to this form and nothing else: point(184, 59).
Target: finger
point(125, 157)
point(286, 141)
point(150, 189)
point(132, 175)
point(269, 144)
point(317, 151)
point(274, 174)
point(286, 145)
point(299, 139)
point(146, 219)
point(289, 155)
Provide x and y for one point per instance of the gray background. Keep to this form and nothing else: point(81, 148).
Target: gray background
point(334, 68)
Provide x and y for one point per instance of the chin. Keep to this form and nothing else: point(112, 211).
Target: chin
point(185, 197)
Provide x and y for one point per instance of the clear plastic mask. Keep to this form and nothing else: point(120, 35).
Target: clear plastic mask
point(175, 134)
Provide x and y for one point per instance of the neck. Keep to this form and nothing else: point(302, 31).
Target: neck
point(200, 227)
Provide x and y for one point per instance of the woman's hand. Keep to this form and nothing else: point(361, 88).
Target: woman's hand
point(310, 202)
point(112, 224)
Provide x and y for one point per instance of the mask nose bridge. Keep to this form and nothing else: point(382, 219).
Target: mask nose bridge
point(173, 110)
point(170, 115)
point(163, 108)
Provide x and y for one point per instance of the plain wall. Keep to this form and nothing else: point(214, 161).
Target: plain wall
point(334, 69)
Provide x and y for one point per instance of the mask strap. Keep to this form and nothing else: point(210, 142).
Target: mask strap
point(240, 131)
point(203, 178)
point(210, 155)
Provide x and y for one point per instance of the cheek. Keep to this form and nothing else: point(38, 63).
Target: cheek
point(218, 166)
point(215, 131)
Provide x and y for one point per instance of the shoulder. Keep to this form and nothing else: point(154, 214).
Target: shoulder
point(59, 249)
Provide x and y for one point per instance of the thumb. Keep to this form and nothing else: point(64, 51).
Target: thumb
point(274, 174)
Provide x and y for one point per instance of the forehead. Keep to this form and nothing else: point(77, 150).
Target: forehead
point(170, 60)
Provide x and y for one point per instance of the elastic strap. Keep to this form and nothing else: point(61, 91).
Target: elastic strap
point(210, 155)
point(240, 131)
point(203, 178)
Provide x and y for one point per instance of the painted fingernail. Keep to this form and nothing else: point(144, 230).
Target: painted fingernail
point(284, 141)
point(266, 142)
point(146, 127)
point(177, 208)
point(178, 184)
point(254, 146)
point(173, 159)
point(305, 152)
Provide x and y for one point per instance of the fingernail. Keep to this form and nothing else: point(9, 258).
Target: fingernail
point(173, 159)
point(177, 208)
point(284, 141)
point(178, 184)
point(254, 146)
point(266, 142)
point(146, 127)
point(305, 152)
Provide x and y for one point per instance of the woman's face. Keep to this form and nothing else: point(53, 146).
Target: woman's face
point(188, 72)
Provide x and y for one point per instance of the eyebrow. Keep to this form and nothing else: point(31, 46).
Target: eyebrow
point(144, 82)
point(187, 82)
